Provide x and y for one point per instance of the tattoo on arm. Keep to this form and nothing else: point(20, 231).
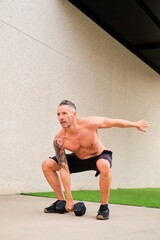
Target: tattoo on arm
point(60, 154)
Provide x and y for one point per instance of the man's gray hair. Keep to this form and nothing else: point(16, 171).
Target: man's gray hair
point(68, 103)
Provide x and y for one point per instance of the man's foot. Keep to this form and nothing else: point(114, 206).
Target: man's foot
point(103, 212)
point(53, 208)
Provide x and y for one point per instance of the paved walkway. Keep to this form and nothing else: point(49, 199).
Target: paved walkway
point(22, 218)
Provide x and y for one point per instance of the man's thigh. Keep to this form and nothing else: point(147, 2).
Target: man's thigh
point(52, 164)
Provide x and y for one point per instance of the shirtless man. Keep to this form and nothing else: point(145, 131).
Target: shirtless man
point(80, 136)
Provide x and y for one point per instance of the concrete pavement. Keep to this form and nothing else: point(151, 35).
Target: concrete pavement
point(22, 218)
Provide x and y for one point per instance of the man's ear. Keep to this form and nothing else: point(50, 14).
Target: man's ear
point(74, 114)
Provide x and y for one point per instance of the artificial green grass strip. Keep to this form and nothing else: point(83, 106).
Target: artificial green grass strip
point(146, 197)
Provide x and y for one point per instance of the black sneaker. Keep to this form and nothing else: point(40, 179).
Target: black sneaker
point(53, 208)
point(103, 212)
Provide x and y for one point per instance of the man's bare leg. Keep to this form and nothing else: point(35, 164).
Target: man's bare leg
point(105, 184)
point(49, 168)
point(105, 179)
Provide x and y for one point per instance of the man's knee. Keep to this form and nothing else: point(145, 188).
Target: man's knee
point(50, 164)
point(44, 165)
point(103, 166)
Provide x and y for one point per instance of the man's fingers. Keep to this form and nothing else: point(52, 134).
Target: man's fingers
point(69, 206)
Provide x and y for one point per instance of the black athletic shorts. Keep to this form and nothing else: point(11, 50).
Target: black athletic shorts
point(78, 165)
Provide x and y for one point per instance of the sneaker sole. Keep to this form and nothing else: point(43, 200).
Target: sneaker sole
point(100, 217)
point(46, 211)
point(54, 211)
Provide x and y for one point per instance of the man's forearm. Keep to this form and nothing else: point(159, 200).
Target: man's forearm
point(66, 181)
point(64, 171)
point(141, 125)
point(124, 123)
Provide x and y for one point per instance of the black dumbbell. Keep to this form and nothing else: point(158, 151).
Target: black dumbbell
point(60, 206)
point(79, 209)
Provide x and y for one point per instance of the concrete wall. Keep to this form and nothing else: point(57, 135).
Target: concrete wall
point(50, 51)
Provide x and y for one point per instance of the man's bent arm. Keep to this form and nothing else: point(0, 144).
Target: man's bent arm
point(64, 171)
point(60, 153)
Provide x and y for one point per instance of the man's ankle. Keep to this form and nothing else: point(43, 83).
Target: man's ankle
point(103, 207)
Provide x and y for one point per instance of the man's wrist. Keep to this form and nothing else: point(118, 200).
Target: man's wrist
point(136, 124)
point(69, 197)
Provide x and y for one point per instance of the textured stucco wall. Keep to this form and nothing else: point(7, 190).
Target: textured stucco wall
point(50, 51)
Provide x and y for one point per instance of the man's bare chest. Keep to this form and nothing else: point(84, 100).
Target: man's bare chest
point(85, 140)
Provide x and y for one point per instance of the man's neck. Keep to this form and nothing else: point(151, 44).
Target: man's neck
point(73, 129)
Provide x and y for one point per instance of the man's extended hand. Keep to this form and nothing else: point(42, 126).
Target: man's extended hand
point(142, 125)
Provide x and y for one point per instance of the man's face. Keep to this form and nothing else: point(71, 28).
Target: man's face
point(65, 115)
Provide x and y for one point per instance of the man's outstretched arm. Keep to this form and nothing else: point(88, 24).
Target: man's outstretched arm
point(102, 122)
point(141, 125)
point(64, 171)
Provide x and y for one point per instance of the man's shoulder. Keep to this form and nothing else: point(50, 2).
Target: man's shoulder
point(89, 121)
point(87, 118)
point(60, 133)
point(84, 120)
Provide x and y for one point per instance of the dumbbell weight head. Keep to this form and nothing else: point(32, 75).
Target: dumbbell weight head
point(60, 206)
point(79, 209)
